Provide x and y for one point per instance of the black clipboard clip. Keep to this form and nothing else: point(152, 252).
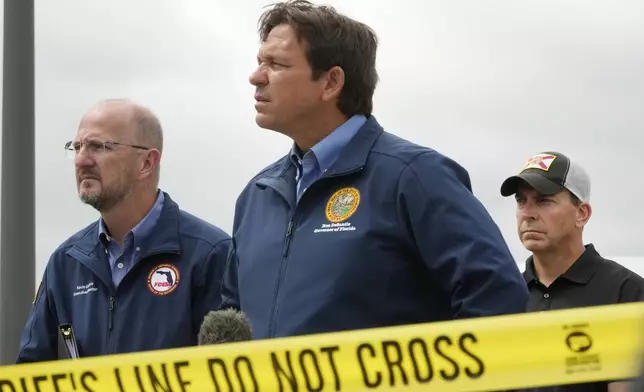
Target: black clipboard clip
point(67, 342)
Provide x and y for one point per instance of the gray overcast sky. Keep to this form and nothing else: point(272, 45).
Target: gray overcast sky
point(487, 83)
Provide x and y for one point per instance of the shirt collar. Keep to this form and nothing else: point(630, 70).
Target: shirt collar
point(142, 229)
point(579, 272)
point(328, 149)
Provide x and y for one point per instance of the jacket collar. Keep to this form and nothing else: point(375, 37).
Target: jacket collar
point(327, 150)
point(353, 156)
point(164, 237)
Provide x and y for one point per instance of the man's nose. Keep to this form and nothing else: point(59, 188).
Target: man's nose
point(258, 77)
point(528, 210)
point(83, 158)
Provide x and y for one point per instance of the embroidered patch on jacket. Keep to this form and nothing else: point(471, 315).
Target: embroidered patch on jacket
point(539, 161)
point(163, 279)
point(342, 204)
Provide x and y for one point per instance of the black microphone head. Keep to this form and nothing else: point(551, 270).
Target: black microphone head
point(224, 326)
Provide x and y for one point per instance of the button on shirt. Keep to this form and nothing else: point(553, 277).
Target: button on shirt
point(122, 260)
point(320, 157)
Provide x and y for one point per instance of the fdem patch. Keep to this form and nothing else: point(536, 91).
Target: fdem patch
point(163, 279)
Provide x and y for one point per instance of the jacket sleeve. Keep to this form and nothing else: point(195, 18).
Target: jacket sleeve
point(207, 293)
point(229, 286)
point(39, 340)
point(459, 243)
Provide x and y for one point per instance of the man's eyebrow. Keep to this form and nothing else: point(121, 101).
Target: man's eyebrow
point(266, 56)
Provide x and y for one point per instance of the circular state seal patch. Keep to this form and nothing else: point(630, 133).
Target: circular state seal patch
point(342, 204)
point(163, 279)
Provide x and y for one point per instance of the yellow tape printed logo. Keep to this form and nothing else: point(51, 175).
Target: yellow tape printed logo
point(342, 204)
point(163, 279)
point(579, 343)
point(539, 161)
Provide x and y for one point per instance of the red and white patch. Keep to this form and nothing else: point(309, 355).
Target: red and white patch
point(163, 279)
point(540, 161)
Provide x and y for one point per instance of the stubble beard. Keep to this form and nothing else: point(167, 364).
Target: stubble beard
point(107, 198)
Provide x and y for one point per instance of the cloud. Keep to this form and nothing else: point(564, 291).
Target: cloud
point(487, 83)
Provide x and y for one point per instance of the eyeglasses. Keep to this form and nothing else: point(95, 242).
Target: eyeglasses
point(95, 147)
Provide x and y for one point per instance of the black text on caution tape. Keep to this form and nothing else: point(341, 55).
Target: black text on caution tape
point(390, 363)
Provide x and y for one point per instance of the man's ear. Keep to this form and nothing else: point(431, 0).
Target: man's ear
point(150, 163)
point(333, 83)
point(584, 212)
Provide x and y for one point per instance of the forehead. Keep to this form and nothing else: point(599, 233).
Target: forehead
point(525, 188)
point(281, 41)
point(529, 192)
point(103, 122)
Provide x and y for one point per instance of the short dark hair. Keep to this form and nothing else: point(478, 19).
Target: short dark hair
point(574, 199)
point(331, 39)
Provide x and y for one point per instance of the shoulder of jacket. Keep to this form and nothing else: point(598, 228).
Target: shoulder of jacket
point(403, 150)
point(198, 228)
point(75, 238)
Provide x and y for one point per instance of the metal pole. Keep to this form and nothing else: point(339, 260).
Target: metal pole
point(17, 233)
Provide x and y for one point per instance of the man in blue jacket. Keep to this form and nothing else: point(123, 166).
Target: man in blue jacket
point(355, 227)
point(142, 276)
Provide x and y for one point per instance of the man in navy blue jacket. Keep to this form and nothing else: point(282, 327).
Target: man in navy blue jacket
point(142, 276)
point(355, 227)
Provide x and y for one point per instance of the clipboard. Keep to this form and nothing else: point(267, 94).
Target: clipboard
point(67, 345)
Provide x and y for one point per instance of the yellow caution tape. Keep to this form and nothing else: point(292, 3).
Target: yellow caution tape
point(503, 352)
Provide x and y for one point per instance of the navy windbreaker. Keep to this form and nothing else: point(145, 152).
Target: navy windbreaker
point(159, 304)
point(391, 234)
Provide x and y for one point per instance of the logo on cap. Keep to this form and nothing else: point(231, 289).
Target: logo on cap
point(539, 161)
point(163, 279)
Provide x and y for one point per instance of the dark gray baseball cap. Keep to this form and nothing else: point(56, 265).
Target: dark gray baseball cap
point(550, 172)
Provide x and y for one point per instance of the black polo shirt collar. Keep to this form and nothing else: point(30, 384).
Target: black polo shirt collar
point(579, 272)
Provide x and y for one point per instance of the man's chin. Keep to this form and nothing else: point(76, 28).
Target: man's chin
point(265, 121)
point(90, 199)
point(260, 120)
point(534, 245)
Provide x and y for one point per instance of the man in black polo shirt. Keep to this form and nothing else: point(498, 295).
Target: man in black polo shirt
point(553, 206)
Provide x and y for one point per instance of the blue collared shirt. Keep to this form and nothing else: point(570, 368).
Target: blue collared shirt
point(320, 157)
point(122, 260)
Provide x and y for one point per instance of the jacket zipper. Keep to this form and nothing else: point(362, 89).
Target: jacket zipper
point(110, 324)
point(289, 232)
point(285, 250)
point(111, 345)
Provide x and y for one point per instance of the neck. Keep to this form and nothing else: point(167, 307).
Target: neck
point(316, 129)
point(122, 218)
point(549, 265)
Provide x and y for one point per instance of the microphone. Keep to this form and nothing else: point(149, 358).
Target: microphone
point(224, 326)
point(67, 345)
